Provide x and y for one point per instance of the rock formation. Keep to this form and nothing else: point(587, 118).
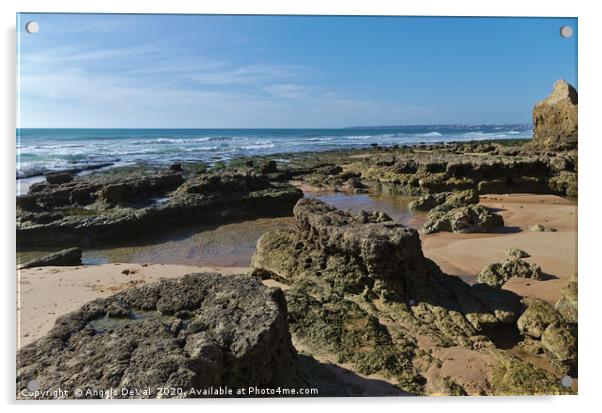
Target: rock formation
point(567, 305)
point(68, 257)
point(472, 218)
point(362, 290)
point(546, 330)
point(97, 209)
point(498, 273)
point(555, 119)
point(190, 333)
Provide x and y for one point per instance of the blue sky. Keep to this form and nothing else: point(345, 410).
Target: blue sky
point(186, 71)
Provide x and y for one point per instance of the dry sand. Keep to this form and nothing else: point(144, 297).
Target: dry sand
point(48, 292)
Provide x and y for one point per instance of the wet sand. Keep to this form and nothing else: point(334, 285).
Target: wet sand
point(227, 245)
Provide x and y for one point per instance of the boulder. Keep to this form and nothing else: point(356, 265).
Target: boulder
point(427, 202)
point(445, 201)
point(199, 331)
point(472, 218)
point(268, 167)
point(538, 315)
point(498, 273)
point(567, 305)
point(517, 253)
point(541, 228)
point(555, 123)
point(560, 341)
point(57, 178)
point(67, 257)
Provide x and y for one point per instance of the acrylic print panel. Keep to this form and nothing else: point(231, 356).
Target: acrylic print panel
point(275, 206)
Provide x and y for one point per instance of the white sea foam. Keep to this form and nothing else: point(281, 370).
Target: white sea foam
point(46, 150)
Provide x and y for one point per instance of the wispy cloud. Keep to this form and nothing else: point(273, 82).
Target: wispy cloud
point(151, 85)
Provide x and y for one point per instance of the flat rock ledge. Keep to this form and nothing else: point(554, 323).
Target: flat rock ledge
point(63, 258)
point(191, 333)
point(102, 209)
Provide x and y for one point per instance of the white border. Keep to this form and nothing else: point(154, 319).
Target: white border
point(590, 150)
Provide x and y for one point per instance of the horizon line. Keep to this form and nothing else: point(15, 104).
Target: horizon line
point(308, 128)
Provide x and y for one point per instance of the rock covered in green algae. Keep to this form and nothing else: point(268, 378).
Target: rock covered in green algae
point(498, 273)
point(344, 299)
point(538, 315)
point(541, 228)
point(560, 341)
point(205, 330)
point(567, 305)
point(472, 218)
point(445, 386)
point(511, 376)
point(517, 253)
point(445, 201)
point(541, 322)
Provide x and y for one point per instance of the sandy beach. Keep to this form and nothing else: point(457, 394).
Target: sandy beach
point(466, 255)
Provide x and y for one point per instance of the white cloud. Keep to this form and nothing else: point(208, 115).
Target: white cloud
point(143, 87)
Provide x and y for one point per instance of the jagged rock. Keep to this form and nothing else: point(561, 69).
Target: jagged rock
point(197, 331)
point(472, 218)
point(175, 167)
point(517, 253)
point(511, 376)
point(444, 386)
point(567, 305)
point(538, 315)
point(428, 202)
point(268, 167)
point(560, 340)
point(504, 305)
point(57, 178)
point(498, 273)
point(329, 170)
point(565, 182)
point(362, 290)
point(445, 201)
point(555, 118)
point(67, 257)
point(541, 228)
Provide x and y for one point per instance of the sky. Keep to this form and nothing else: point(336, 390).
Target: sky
point(194, 71)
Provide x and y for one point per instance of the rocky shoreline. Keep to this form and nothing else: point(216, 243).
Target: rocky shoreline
point(358, 285)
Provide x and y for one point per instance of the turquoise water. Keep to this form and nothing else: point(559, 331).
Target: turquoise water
point(43, 150)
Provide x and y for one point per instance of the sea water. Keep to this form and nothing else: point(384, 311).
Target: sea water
point(43, 150)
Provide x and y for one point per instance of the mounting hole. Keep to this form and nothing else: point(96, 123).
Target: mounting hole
point(32, 385)
point(566, 381)
point(32, 27)
point(566, 31)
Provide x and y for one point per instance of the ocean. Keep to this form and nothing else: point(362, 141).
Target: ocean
point(43, 150)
